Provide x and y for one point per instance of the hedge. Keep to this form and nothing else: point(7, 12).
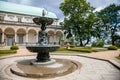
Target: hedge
point(14, 47)
point(7, 51)
point(112, 48)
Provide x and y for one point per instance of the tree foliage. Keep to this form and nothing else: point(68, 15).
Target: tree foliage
point(79, 18)
point(109, 16)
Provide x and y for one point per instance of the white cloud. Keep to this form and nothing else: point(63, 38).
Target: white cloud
point(25, 2)
point(98, 9)
point(53, 5)
point(100, 4)
point(61, 20)
point(15, 1)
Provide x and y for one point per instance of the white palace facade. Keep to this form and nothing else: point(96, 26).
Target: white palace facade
point(17, 27)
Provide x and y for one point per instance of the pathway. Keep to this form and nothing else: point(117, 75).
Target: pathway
point(91, 69)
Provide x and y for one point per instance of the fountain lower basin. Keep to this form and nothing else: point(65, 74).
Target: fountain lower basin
point(60, 68)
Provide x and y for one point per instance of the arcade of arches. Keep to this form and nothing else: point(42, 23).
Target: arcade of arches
point(23, 35)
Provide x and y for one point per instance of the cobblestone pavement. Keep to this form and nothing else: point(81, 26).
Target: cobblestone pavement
point(91, 69)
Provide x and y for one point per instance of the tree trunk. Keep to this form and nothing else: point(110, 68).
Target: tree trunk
point(86, 42)
point(112, 37)
point(81, 44)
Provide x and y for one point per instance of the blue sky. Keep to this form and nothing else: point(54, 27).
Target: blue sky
point(53, 5)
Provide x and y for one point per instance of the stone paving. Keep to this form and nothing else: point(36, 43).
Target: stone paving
point(108, 55)
point(91, 69)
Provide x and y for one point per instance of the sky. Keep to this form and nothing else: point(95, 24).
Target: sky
point(53, 5)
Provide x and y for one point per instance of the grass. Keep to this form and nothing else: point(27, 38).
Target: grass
point(80, 50)
point(99, 49)
point(7, 52)
point(71, 52)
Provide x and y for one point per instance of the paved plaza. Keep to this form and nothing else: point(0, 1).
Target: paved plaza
point(91, 69)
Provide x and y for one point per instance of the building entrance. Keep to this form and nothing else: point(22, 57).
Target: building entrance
point(10, 40)
point(20, 39)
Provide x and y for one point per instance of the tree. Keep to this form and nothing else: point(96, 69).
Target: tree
point(79, 17)
point(109, 16)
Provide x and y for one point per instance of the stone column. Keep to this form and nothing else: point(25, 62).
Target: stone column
point(3, 36)
point(36, 37)
point(15, 41)
point(27, 37)
point(54, 38)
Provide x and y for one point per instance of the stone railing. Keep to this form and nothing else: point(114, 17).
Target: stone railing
point(18, 23)
point(27, 24)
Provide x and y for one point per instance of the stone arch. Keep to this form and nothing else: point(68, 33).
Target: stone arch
point(9, 36)
point(31, 28)
point(21, 31)
point(51, 32)
point(32, 35)
point(51, 36)
point(58, 36)
point(0, 30)
point(20, 35)
point(58, 33)
point(9, 31)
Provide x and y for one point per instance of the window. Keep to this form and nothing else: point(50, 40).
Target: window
point(20, 39)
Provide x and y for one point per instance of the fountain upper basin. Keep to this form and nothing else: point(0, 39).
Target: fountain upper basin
point(42, 48)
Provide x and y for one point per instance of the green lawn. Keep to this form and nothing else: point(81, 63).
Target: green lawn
point(80, 50)
point(7, 52)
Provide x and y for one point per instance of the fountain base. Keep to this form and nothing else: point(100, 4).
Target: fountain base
point(60, 68)
point(34, 62)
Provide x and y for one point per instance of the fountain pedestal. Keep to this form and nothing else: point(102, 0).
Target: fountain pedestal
point(43, 57)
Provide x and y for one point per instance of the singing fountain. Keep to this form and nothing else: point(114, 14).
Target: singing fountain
point(43, 66)
point(43, 47)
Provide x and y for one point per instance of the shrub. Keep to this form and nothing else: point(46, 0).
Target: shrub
point(14, 47)
point(98, 44)
point(112, 48)
point(94, 44)
point(118, 44)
